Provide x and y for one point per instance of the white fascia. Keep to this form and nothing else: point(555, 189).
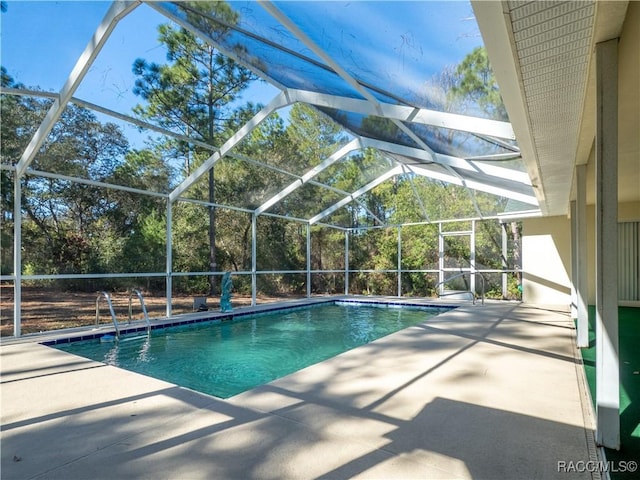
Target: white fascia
point(495, 26)
point(116, 12)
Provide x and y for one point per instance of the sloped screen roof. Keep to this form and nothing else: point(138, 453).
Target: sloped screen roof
point(370, 67)
point(380, 53)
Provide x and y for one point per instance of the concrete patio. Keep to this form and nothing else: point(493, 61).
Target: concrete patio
point(486, 391)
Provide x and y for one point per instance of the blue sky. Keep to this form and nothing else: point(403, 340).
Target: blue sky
point(41, 41)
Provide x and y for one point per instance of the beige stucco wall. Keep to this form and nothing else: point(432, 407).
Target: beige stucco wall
point(629, 211)
point(546, 256)
point(546, 260)
point(629, 105)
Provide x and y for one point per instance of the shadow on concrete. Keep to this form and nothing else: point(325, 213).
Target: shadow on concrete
point(490, 443)
point(301, 427)
point(446, 439)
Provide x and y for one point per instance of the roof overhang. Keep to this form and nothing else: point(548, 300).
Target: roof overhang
point(543, 58)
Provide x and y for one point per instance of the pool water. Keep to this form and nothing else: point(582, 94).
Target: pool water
point(224, 359)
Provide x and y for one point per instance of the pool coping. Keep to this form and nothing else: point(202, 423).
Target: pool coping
point(63, 336)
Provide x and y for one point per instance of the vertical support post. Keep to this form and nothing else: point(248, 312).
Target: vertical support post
point(399, 261)
point(17, 254)
point(574, 260)
point(582, 256)
point(440, 259)
point(472, 251)
point(607, 362)
point(169, 255)
point(308, 260)
point(346, 261)
point(505, 264)
point(254, 260)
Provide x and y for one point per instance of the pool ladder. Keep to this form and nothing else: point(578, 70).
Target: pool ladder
point(113, 314)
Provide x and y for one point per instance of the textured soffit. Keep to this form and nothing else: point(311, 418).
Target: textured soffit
point(541, 52)
point(553, 47)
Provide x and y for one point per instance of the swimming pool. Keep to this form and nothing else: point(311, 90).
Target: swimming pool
point(227, 358)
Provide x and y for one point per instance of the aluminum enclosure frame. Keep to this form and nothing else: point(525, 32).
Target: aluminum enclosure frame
point(495, 180)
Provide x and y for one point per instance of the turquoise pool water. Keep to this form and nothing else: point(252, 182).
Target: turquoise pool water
point(224, 359)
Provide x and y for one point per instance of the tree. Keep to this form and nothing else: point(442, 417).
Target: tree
point(195, 90)
point(140, 219)
point(73, 227)
point(21, 116)
point(12, 114)
point(475, 83)
point(61, 215)
point(61, 218)
point(469, 88)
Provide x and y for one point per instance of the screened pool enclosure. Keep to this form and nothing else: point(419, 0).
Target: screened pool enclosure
point(309, 148)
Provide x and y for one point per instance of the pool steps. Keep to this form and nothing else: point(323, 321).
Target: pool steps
point(144, 307)
point(113, 314)
point(114, 319)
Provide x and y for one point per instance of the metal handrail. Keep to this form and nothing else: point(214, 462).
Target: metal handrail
point(144, 308)
point(113, 313)
point(459, 275)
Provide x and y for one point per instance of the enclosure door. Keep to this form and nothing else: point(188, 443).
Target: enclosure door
point(457, 258)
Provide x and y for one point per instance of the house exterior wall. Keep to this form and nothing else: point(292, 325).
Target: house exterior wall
point(546, 260)
point(546, 256)
point(629, 106)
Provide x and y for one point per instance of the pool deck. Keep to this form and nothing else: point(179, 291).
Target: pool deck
point(484, 391)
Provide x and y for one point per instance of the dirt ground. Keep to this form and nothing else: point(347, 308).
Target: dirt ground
point(44, 310)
